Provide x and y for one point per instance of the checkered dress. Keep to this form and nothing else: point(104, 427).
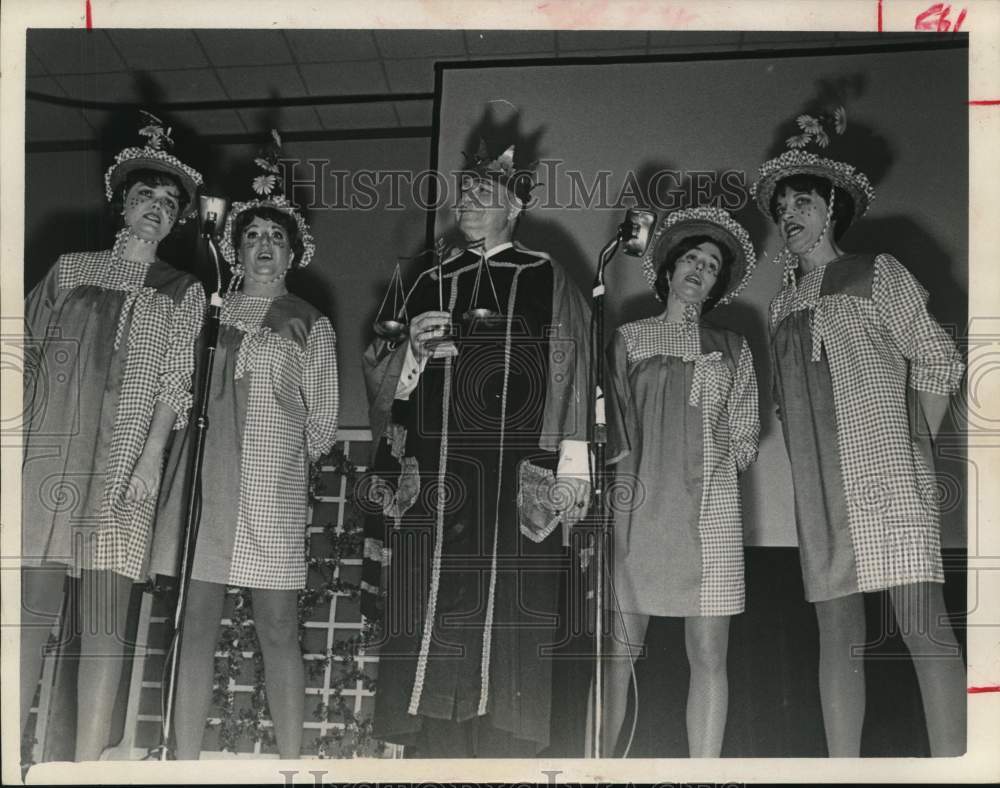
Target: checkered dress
point(114, 337)
point(847, 341)
point(684, 423)
point(286, 363)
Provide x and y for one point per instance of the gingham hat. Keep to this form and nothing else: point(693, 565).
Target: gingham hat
point(718, 225)
point(268, 185)
point(797, 161)
point(154, 155)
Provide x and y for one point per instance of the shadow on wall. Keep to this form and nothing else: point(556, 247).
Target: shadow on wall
point(60, 233)
point(924, 257)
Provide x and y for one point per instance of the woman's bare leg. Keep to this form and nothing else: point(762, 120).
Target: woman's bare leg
point(706, 639)
point(42, 590)
point(276, 614)
point(196, 670)
point(922, 617)
point(842, 673)
point(104, 601)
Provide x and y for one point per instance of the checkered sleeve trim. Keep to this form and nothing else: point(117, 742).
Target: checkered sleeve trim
point(321, 389)
point(744, 418)
point(177, 366)
point(935, 363)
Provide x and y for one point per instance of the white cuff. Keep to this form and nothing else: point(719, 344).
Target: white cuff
point(574, 460)
point(409, 375)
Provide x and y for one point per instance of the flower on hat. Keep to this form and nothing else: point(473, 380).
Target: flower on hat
point(264, 184)
point(814, 130)
point(153, 155)
point(269, 187)
point(154, 132)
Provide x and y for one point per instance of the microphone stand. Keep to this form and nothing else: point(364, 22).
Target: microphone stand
point(193, 495)
point(632, 231)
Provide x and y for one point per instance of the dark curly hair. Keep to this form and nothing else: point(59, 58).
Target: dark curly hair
point(150, 177)
point(287, 222)
point(677, 251)
point(843, 206)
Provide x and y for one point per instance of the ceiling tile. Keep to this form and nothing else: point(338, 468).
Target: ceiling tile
point(337, 79)
point(660, 39)
point(47, 85)
point(118, 86)
point(282, 118)
point(246, 82)
point(213, 121)
point(410, 76)
point(50, 122)
point(359, 116)
point(244, 47)
point(320, 46)
point(159, 49)
point(420, 43)
point(32, 65)
point(415, 113)
point(74, 51)
point(600, 39)
point(789, 38)
point(507, 42)
point(196, 84)
point(605, 53)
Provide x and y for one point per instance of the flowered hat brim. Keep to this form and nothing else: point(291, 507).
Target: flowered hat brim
point(132, 159)
point(275, 203)
point(718, 225)
point(797, 162)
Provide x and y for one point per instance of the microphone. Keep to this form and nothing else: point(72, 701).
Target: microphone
point(211, 212)
point(635, 231)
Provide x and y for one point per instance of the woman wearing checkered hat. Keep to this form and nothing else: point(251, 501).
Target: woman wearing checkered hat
point(684, 424)
point(273, 409)
point(107, 378)
point(862, 379)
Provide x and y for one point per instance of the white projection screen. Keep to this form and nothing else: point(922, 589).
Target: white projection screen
point(699, 118)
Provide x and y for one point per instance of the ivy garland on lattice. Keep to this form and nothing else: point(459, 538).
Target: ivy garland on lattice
point(354, 738)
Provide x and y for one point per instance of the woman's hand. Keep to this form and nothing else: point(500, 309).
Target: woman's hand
point(145, 481)
point(427, 330)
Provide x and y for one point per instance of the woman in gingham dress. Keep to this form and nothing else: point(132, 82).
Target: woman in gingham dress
point(683, 418)
point(862, 379)
point(272, 410)
point(108, 376)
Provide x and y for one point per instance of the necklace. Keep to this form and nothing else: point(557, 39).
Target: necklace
point(122, 239)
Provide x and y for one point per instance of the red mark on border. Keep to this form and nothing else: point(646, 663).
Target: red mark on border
point(935, 19)
point(880, 16)
point(977, 690)
point(90, 17)
point(984, 103)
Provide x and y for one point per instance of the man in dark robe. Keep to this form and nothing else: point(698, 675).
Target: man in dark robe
point(479, 422)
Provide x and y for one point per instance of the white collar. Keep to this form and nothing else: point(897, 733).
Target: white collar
point(488, 253)
point(499, 248)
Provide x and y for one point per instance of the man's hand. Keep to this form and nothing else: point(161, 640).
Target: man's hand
point(574, 494)
point(428, 331)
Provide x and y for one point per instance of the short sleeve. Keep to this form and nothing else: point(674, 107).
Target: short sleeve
point(935, 363)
